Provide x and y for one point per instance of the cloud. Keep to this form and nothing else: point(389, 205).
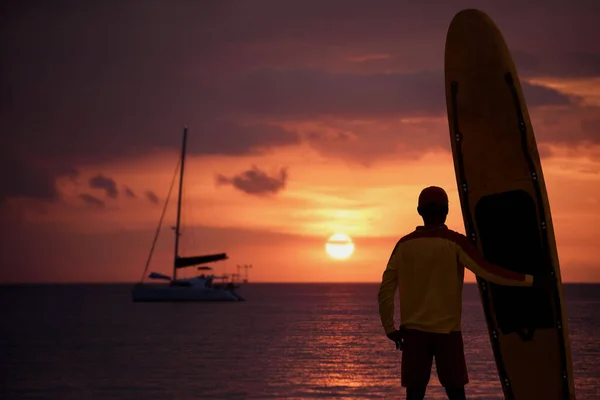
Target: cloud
point(227, 69)
point(128, 192)
point(570, 125)
point(538, 95)
point(567, 64)
point(256, 182)
point(91, 200)
point(150, 195)
point(220, 137)
point(318, 93)
point(591, 126)
point(107, 184)
point(72, 148)
point(22, 177)
point(314, 93)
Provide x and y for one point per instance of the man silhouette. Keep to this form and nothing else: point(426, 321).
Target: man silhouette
point(427, 268)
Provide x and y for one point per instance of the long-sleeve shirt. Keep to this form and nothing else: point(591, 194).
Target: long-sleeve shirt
point(427, 268)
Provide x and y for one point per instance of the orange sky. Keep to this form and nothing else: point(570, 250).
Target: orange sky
point(346, 170)
point(374, 204)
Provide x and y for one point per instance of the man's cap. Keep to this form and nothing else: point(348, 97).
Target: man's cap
point(433, 195)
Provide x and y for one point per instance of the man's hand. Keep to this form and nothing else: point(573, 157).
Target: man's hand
point(396, 337)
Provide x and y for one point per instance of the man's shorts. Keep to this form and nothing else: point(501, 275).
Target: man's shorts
point(420, 347)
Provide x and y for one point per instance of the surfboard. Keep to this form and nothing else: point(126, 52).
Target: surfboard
point(505, 209)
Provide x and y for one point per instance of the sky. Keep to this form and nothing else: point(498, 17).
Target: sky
point(305, 118)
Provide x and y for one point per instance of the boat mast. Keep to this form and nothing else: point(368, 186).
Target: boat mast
point(177, 233)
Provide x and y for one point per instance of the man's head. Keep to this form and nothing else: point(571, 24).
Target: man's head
point(433, 205)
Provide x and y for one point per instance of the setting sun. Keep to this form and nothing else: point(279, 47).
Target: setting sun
point(339, 246)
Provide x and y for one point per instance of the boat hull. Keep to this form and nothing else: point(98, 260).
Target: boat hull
point(166, 293)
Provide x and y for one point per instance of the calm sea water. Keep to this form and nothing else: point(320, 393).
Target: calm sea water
point(286, 342)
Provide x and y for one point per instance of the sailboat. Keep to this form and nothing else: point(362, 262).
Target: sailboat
point(205, 287)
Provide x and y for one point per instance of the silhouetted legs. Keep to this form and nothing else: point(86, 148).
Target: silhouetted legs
point(419, 350)
point(456, 393)
point(415, 393)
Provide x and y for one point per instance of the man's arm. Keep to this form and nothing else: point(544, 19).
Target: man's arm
point(474, 261)
point(387, 291)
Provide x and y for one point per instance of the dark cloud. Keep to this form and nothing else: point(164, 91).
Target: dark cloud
point(568, 64)
point(367, 141)
point(364, 142)
point(92, 81)
point(591, 126)
point(150, 195)
point(92, 200)
point(25, 176)
point(310, 93)
point(107, 184)
point(227, 138)
point(108, 91)
point(22, 177)
point(256, 182)
point(128, 192)
point(570, 125)
point(315, 93)
point(537, 95)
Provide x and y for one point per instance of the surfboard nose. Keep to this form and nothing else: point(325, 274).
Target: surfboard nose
point(469, 14)
point(474, 41)
point(467, 21)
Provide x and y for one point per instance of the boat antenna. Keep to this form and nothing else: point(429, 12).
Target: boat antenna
point(177, 226)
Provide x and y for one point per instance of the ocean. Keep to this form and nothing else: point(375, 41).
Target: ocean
point(287, 341)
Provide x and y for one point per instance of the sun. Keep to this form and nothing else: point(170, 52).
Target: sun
point(339, 246)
